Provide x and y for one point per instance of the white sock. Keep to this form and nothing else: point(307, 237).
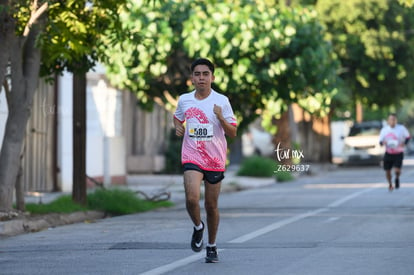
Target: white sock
point(211, 245)
point(199, 227)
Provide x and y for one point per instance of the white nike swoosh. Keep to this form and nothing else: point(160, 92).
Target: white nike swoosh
point(199, 244)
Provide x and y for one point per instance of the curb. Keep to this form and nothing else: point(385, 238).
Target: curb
point(26, 224)
point(34, 224)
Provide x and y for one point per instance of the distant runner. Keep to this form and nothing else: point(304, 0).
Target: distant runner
point(394, 136)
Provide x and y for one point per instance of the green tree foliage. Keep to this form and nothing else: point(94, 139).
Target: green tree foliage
point(47, 37)
point(72, 36)
point(374, 42)
point(407, 3)
point(263, 53)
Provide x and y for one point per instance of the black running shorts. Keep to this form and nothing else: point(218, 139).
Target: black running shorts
point(209, 176)
point(393, 160)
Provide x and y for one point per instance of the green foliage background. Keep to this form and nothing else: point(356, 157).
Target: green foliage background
point(374, 42)
point(264, 53)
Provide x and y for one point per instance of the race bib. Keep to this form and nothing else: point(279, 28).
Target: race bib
point(200, 132)
point(392, 143)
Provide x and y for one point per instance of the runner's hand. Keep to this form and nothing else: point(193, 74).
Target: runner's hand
point(179, 130)
point(217, 111)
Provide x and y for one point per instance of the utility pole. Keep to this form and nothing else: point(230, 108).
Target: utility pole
point(359, 113)
point(79, 138)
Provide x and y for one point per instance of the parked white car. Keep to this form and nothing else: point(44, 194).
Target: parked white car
point(362, 144)
point(257, 142)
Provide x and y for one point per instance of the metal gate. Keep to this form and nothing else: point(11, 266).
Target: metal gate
point(39, 146)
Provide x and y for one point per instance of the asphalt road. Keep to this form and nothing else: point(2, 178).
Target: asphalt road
point(340, 222)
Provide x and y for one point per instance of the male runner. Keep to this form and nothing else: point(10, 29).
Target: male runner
point(209, 117)
point(394, 136)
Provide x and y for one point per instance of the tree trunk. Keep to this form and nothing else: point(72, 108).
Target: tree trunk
point(283, 140)
point(6, 32)
point(20, 204)
point(12, 144)
point(79, 139)
point(25, 66)
point(314, 136)
point(359, 112)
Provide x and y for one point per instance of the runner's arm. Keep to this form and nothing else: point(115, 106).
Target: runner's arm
point(229, 129)
point(179, 127)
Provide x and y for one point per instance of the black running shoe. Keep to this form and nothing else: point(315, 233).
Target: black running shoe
point(212, 255)
point(397, 183)
point(197, 239)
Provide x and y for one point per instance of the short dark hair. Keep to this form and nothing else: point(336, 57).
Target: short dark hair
point(202, 61)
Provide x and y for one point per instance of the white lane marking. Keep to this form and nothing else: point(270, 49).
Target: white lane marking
point(182, 262)
point(174, 265)
point(279, 224)
point(353, 195)
point(276, 225)
point(332, 219)
point(351, 185)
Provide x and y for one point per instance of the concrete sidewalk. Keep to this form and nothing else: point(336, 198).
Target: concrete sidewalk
point(150, 186)
point(153, 185)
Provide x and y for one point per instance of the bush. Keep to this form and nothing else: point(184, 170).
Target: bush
point(120, 202)
point(63, 204)
point(282, 176)
point(111, 201)
point(257, 166)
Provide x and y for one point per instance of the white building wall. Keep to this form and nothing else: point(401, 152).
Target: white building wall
point(104, 123)
point(3, 114)
point(65, 138)
point(106, 154)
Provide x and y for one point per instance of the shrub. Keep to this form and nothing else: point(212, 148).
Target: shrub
point(112, 201)
point(257, 166)
point(63, 204)
point(282, 176)
point(119, 202)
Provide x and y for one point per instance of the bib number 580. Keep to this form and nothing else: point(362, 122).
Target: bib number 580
point(200, 132)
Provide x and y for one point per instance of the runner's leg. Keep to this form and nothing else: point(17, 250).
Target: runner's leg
point(397, 172)
point(398, 159)
point(212, 192)
point(192, 184)
point(388, 163)
point(388, 176)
